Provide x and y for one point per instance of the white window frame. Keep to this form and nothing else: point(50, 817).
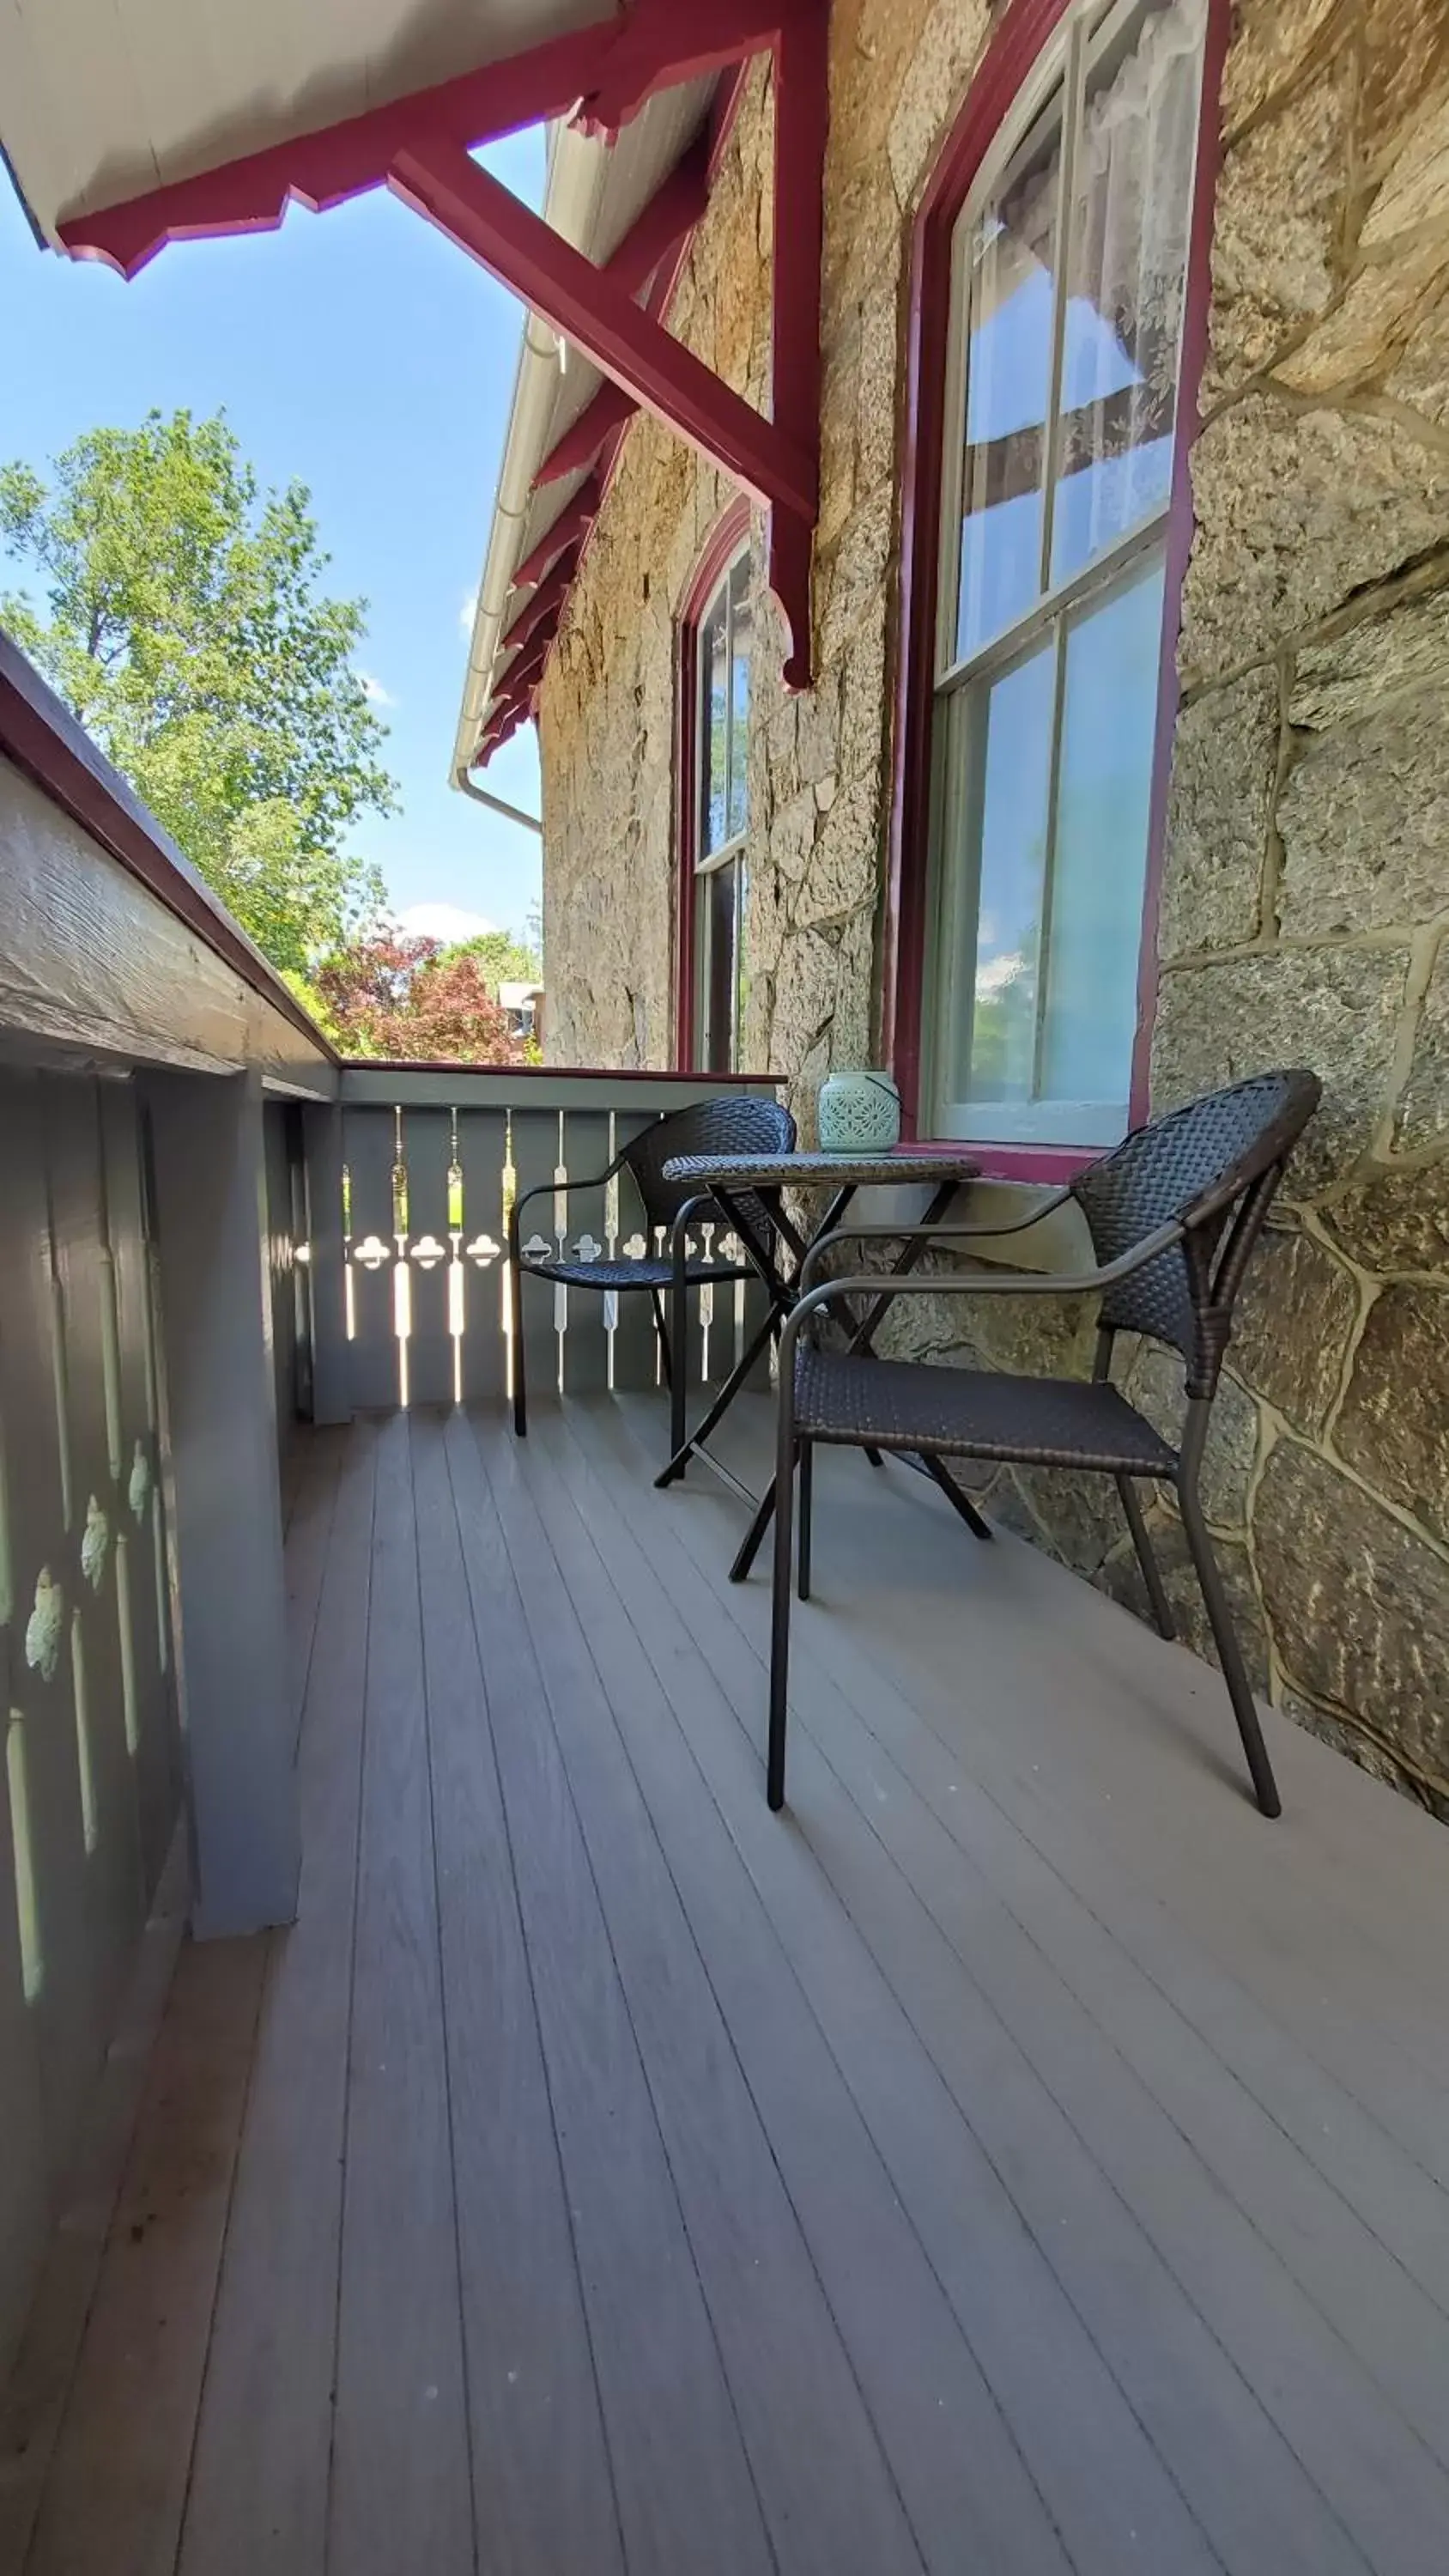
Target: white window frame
point(731, 852)
point(1063, 62)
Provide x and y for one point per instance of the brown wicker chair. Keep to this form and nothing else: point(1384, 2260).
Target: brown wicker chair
point(735, 1123)
point(1173, 1215)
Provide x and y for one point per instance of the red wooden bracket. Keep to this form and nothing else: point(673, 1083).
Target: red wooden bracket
point(802, 113)
point(609, 409)
point(570, 528)
point(549, 596)
point(581, 301)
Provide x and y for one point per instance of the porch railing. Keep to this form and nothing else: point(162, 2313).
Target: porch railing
point(410, 1179)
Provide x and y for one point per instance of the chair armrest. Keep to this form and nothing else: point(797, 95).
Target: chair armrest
point(976, 1283)
point(557, 1189)
point(925, 1233)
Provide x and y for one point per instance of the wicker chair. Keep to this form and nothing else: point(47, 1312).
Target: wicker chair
point(1173, 1215)
point(735, 1124)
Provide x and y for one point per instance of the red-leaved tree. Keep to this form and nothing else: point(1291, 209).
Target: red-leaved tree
point(390, 995)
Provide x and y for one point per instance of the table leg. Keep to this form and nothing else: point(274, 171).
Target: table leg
point(684, 1443)
point(860, 1342)
point(696, 1438)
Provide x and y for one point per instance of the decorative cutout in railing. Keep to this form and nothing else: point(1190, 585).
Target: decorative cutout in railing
point(425, 1200)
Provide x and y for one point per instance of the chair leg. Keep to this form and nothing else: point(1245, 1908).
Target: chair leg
point(959, 1502)
point(520, 1389)
point(780, 1606)
point(749, 1546)
point(1147, 1559)
point(807, 1497)
point(665, 1359)
point(1235, 1671)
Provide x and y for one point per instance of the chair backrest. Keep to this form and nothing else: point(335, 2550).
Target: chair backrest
point(1216, 1164)
point(737, 1123)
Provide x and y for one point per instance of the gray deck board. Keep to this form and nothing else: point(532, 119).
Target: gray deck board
point(1018, 2155)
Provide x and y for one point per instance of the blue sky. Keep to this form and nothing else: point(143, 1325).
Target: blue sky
point(366, 356)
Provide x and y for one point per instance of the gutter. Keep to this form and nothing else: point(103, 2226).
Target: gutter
point(577, 170)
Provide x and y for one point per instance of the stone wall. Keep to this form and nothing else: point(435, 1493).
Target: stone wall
point(1305, 899)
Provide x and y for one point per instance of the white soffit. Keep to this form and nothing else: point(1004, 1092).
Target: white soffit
point(103, 100)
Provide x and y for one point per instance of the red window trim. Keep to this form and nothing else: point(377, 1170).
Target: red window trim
point(724, 544)
point(1005, 65)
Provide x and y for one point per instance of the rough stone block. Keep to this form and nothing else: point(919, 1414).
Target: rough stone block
point(1295, 1319)
point(1081, 1515)
point(850, 1032)
point(1154, 1384)
point(1415, 187)
point(1391, 653)
point(1335, 1010)
point(1398, 1221)
point(856, 573)
point(844, 866)
point(804, 997)
point(1224, 761)
point(944, 57)
point(879, 382)
point(1424, 1110)
point(1277, 224)
point(864, 707)
point(1272, 40)
point(1418, 381)
point(1359, 1606)
point(1405, 62)
point(792, 836)
point(1394, 1426)
point(1369, 327)
point(1122, 1577)
point(1296, 511)
point(1364, 820)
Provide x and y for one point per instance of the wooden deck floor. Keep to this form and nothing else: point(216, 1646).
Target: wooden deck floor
point(1019, 2157)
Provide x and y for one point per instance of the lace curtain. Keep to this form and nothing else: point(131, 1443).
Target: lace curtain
point(1126, 271)
point(1126, 259)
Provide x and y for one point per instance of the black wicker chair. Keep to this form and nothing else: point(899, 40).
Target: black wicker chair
point(1173, 1215)
point(738, 1123)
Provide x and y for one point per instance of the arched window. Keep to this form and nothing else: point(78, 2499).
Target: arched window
point(1064, 255)
point(713, 804)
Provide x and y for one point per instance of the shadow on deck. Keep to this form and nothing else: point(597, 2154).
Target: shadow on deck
point(1017, 2157)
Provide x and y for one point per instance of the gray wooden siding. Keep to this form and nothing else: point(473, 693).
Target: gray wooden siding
point(89, 1785)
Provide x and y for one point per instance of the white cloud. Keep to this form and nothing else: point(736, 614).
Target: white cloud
point(374, 692)
point(466, 615)
point(445, 921)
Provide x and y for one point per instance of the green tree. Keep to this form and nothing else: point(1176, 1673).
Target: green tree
point(185, 623)
point(503, 956)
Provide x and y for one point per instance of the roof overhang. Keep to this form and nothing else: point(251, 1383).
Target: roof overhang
point(160, 132)
point(631, 206)
point(152, 93)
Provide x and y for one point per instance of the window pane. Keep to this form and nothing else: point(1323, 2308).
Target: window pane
point(1011, 280)
point(1006, 723)
point(739, 762)
point(713, 728)
point(1125, 269)
point(1109, 711)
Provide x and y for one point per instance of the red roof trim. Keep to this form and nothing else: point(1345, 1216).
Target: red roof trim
point(603, 73)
